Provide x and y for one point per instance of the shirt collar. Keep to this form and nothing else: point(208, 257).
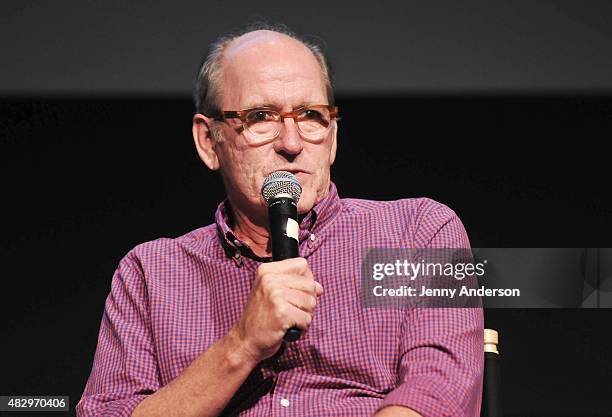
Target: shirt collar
point(322, 214)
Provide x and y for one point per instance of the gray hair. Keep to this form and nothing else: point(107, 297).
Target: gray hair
point(206, 91)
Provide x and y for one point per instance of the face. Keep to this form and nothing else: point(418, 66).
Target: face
point(268, 69)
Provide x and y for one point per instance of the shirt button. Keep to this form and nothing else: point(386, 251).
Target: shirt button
point(284, 402)
point(237, 259)
point(313, 237)
point(237, 242)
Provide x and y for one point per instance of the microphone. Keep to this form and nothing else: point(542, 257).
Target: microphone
point(281, 191)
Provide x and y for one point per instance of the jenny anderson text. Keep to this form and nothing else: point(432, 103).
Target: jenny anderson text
point(407, 291)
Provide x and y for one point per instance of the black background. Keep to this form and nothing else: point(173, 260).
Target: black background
point(85, 180)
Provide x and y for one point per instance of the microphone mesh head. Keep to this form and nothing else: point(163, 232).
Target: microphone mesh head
point(281, 182)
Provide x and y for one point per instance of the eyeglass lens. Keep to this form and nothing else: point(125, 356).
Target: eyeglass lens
point(266, 123)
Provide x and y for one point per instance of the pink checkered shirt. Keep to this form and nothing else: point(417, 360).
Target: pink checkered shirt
point(171, 299)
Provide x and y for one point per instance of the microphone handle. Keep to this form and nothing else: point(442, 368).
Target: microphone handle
point(282, 213)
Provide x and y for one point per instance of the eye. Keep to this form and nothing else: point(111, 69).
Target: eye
point(261, 116)
point(310, 114)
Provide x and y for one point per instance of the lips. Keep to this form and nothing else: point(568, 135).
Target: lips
point(294, 171)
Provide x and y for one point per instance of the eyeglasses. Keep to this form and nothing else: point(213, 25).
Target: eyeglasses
point(264, 123)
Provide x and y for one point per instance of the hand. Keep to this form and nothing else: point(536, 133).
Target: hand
point(284, 295)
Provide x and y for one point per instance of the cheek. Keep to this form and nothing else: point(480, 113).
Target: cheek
point(317, 184)
point(243, 167)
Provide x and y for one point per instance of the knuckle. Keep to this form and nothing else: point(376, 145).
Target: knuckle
point(276, 295)
point(313, 301)
point(281, 311)
point(302, 264)
point(308, 302)
point(267, 280)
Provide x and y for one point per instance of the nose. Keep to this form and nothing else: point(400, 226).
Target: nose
point(289, 140)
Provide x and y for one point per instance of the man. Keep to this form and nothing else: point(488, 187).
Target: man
point(194, 326)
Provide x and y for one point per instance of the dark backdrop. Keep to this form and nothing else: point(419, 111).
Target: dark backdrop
point(388, 46)
point(85, 180)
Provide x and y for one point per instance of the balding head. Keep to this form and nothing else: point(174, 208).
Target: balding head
point(253, 40)
point(265, 68)
point(208, 87)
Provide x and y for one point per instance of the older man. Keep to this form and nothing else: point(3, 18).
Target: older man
point(194, 326)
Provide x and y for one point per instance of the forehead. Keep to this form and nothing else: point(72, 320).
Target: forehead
point(268, 68)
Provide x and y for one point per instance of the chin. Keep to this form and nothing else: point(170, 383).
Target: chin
point(310, 196)
point(307, 201)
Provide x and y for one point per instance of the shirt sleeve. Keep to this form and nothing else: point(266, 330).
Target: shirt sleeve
point(124, 370)
point(442, 360)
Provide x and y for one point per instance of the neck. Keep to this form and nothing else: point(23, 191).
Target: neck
point(253, 232)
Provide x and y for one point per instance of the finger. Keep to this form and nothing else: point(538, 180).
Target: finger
point(288, 266)
point(299, 318)
point(295, 282)
point(318, 289)
point(303, 301)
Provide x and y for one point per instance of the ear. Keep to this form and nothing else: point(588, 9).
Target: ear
point(334, 145)
point(204, 142)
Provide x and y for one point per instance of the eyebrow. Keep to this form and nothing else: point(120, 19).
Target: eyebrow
point(260, 104)
point(257, 105)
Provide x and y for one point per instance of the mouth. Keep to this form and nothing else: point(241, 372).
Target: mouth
point(294, 171)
